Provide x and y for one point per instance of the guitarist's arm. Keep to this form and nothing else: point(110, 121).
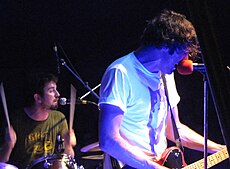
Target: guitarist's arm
point(189, 137)
point(112, 142)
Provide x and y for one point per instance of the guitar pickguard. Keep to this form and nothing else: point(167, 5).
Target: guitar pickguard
point(174, 160)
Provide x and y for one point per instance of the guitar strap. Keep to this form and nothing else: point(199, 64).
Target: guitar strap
point(175, 130)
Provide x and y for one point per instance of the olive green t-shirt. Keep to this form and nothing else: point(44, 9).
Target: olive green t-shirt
point(35, 139)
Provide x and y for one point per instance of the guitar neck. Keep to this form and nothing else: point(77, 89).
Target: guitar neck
point(211, 160)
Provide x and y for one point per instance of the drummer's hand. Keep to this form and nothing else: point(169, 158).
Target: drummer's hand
point(73, 140)
point(10, 137)
point(7, 147)
point(70, 151)
point(70, 142)
point(70, 138)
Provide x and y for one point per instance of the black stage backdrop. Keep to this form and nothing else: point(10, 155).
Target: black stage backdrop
point(90, 35)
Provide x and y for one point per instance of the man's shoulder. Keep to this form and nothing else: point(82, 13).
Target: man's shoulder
point(56, 113)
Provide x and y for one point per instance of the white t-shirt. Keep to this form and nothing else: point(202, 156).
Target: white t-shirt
point(140, 95)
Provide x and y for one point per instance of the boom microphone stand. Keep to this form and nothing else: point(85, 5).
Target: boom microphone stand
point(62, 61)
point(75, 75)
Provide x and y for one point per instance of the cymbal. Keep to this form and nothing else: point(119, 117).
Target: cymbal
point(94, 147)
point(93, 157)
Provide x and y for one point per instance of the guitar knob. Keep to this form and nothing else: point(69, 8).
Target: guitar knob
point(177, 155)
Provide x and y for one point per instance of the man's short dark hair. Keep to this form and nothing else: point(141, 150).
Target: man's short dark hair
point(35, 84)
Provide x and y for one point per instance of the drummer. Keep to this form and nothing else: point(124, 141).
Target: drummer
point(35, 128)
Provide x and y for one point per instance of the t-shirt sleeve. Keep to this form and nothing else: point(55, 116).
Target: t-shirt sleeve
point(114, 88)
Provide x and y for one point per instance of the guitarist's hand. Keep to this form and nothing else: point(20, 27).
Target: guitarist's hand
point(157, 167)
point(154, 163)
point(214, 147)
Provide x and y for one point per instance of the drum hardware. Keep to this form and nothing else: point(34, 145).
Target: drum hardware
point(71, 163)
point(55, 161)
point(47, 164)
point(80, 167)
point(59, 144)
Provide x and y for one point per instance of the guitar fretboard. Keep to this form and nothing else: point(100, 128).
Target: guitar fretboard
point(211, 160)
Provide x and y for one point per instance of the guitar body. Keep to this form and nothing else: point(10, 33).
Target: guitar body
point(172, 158)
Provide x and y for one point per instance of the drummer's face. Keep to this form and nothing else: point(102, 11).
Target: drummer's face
point(51, 95)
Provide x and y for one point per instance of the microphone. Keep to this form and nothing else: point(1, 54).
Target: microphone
point(186, 67)
point(199, 67)
point(63, 101)
point(58, 60)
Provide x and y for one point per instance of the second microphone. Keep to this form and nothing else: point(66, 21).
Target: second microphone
point(64, 101)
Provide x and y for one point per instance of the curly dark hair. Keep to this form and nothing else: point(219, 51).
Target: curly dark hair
point(172, 30)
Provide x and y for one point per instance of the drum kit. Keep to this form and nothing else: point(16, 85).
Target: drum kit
point(63, 161)
point(58, 160)
point(55, 161)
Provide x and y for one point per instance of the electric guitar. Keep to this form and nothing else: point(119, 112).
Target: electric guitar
point(173, 158)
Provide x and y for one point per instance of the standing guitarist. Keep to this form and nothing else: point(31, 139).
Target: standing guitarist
point(135, 118)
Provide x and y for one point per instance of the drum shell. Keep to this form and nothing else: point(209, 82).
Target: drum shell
point(54, 161)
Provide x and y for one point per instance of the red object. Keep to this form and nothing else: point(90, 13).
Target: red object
point(185, 67)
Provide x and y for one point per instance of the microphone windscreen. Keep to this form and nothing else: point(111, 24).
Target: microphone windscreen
point(62, 101)
point(185, 67)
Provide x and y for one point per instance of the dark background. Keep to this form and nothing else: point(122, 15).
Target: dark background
point(90, 35)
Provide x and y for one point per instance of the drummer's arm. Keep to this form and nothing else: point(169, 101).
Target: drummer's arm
point(7, 147)
point(70, 142)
